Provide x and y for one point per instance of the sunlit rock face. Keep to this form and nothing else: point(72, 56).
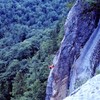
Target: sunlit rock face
point(85, 66)
point(89, 91)
point(79, 55)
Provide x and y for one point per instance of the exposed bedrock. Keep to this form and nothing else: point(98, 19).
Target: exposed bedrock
point(78, 58)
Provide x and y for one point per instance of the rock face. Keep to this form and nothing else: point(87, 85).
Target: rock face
point(89, 91)
point(85, 66)
point(79, 55)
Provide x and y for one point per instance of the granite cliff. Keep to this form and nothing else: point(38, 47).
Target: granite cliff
point(78, 58)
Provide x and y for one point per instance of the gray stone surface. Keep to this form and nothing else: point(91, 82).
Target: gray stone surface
point(80, 25)
point(85, 66)
point(88, 91)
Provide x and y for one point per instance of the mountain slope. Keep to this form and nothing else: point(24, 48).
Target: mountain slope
point(29, 30)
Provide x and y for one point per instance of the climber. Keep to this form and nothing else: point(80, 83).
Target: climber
point(51, 66)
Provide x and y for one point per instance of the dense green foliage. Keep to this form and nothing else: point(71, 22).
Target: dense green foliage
point(30, 35)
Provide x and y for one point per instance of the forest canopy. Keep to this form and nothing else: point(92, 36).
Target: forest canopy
point(30, 35)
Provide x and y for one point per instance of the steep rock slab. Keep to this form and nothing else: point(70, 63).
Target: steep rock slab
point(80, 24)
point(86, 65)
point(88, 91)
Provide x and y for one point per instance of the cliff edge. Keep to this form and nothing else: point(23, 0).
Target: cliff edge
point(78, 58)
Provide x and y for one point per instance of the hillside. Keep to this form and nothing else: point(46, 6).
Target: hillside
point(35, 34)
point(30, 35)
